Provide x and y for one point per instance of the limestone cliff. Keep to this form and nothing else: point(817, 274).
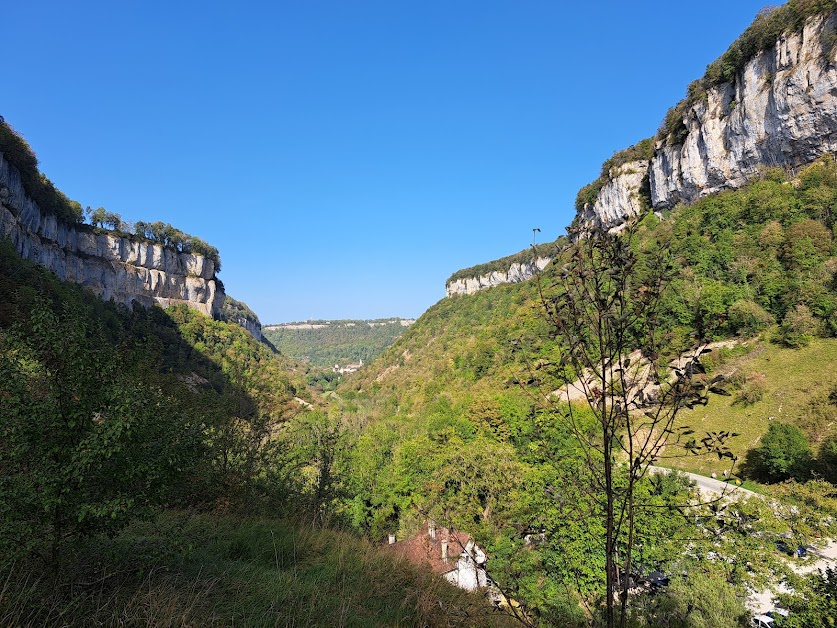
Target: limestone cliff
point(510, 269)
point(514, 273)
point(113, 267)
point(618, 199)
point(779, 110)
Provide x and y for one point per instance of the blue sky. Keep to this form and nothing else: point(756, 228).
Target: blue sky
point(347, 157)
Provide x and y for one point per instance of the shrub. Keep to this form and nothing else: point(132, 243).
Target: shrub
point(753, 390)
point(589, 193)
point(827, 460)
point(748, 318)
point(807, 243)
point(673, 128)
point(783, 453)
point(772, 235)
point(798, 328)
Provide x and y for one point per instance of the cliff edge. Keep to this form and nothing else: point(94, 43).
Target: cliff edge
point(769, 101)
point(778, 109)
point(111, 266)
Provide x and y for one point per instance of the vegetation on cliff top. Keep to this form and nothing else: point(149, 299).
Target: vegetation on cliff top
point(234, 309)
point(550, 249)
point(54, 202)
point(769, 25)
point(641, 151)
point(50, 199)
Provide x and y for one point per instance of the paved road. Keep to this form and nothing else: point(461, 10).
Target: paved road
point(762, 601)
point(711, 486)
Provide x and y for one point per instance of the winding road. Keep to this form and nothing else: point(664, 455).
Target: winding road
point(711, 486)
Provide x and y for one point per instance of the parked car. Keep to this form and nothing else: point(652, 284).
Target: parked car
point(657, 579)
point(763, 621)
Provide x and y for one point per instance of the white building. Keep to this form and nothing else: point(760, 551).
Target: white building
point(451, 554)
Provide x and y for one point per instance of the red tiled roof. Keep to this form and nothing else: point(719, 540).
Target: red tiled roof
point(422, 550)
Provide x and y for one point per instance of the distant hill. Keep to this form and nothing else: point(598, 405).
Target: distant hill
point(326, 343)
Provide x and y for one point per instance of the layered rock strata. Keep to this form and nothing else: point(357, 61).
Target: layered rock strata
point(112, 267)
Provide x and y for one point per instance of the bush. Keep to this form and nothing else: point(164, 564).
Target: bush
point(827, 460)
point(753, 389)
point(772, 235)
point(783, 453)
point(807, 243)
point(747, 318)
point(798, 328)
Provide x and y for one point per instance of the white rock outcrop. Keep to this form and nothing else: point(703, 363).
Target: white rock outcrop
point(516, 273)
point(781, 110)
point(112, 267)
point(618, 200)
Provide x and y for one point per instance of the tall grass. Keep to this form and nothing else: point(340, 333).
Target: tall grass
point(203, 570)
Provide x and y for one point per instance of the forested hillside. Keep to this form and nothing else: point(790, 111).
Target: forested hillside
point(326, 343)
point(140, 450)
point(451, 422)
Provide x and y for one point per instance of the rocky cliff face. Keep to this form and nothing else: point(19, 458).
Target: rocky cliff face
point(618, 200)
point(112, 267)
point(516, 273)
point(781, 110)
point(238, 312)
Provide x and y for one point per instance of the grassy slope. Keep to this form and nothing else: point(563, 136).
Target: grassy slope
point(794, 379)
point(217, 570)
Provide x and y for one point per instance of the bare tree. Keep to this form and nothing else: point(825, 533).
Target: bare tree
point(603, 306)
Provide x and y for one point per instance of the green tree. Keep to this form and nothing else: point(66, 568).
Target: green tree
point(783, 453)
point(97, 216)
point(700, 601)
point(816, 606)
point(87, 445)
point(797, 328)
point(748, 318)
point(827, 460)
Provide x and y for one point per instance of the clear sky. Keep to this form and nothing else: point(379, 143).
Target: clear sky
point(346, 157)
